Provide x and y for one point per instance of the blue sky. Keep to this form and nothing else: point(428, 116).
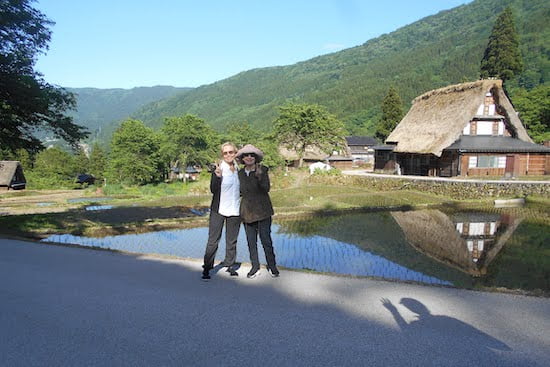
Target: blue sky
point(188, 43)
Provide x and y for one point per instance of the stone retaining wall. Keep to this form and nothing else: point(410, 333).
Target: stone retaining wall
point(454, 189)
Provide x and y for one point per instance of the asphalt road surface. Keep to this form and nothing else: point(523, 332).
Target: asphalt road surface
point(67, 306)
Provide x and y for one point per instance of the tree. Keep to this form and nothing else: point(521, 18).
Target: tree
point(53, 168)
point(534, 111)
point(392, 113)
point(81, 160)
point(27, 101)
point(188, 140)
point(134, 157)
point(302, 126)
point(241, 133)
point(502, 57)
point(98, 162)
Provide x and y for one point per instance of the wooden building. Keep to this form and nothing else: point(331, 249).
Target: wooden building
point(468, 129)
point(11, 176)
point(361, 149)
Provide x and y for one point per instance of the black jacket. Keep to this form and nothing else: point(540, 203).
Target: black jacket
point(255, 202)
point(215, 189)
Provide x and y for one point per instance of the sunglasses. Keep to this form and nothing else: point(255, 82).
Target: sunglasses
point(229, 152)
point(249, 155)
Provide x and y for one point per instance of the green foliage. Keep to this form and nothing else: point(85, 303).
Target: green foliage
point(27, 102)
point(534, 111)
point(502, 57)
point(433, 52)
point(392, 113)
point(81, 161)
point(302, 126)
point(98, 162)
point(53, 168)
point(240, 133)
point(134, 157)
point(187, 140)
point(103, 110)
point(330, 172)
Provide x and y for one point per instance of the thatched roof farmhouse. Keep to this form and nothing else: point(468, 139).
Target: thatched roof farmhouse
point(11, 175)
point(464, 129)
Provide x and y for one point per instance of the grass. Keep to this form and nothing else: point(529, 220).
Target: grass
point(292, 193)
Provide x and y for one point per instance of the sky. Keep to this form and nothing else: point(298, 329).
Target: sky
point(189, 43)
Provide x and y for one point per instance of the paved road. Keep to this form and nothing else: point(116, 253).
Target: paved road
point(65, 306)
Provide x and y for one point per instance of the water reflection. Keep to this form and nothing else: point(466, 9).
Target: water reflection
point(99, 207)
point(89, 199)
point(437, 246)
point(313, 253)
point(468, 241)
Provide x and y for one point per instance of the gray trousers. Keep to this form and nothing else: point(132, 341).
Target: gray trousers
point(215, 227)
point(263, 229)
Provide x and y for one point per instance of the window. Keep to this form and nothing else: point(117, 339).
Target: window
point(487, 161)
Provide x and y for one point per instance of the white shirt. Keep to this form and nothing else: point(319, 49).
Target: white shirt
point(230, 196)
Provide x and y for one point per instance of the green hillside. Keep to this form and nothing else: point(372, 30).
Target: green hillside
point(439, 50)
point(101, 109)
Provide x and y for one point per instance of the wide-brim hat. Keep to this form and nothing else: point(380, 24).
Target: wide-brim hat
point(249, 148)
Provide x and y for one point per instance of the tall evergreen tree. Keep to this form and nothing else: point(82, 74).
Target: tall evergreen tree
point(502, 57)
point(98, 162)
point(392, 113)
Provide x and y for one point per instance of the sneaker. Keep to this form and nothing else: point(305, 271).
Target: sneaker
point(253, 273)
point(205, 275)
point(233, 273)
point(273, 272)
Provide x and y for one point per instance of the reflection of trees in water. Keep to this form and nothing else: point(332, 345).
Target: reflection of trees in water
point(376, 232)
point(515, 254)
point(468, 241)
point(455, 341)
point(524, 263)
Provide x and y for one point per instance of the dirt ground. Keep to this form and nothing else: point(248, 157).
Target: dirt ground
point(56, 201)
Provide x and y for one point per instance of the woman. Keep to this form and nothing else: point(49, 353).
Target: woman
point(224, 185)
point(256, 208)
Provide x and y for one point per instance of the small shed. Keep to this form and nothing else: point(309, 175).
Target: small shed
point(85, 178)
point(11, 176)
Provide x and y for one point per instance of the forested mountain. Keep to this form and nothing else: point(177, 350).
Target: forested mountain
point(100, 110)
point(435, 51)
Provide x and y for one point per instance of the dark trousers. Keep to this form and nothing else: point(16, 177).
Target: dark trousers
point(215, 226)
point(263, 229)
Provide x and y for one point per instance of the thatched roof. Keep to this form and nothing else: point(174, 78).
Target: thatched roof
point(7, 171)
point(437, 118)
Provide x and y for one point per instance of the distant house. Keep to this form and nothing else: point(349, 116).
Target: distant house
point(468, 129)
point(191, 173)
point(311, 155)
point(11, 176)
point(361, 149)
point(340, 160)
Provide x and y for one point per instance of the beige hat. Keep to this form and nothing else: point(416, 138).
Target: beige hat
point(249, 148)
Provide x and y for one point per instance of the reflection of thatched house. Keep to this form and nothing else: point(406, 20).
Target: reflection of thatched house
point(11, 175)
point(463, 130)
point(468, 242)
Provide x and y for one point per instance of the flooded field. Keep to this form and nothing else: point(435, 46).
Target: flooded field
point(494, 248)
